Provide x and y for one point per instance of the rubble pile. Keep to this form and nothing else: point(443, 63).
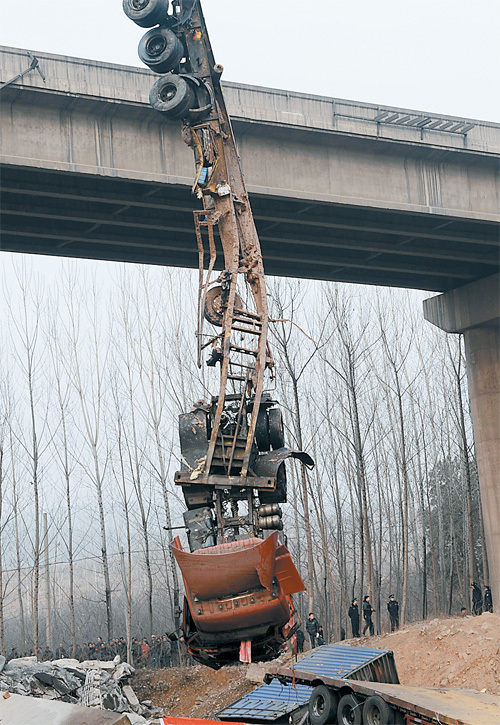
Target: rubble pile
point(103, 685)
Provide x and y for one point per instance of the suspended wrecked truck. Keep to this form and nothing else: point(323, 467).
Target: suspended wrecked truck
point(238, 574)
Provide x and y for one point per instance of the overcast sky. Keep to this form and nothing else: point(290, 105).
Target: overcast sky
point(440, 56)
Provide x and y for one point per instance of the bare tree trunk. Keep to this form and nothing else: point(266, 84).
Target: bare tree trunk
point(92, 427)
point(135, 465)
point(65, 462)
point(305, 496)
point(126, 574)
point(148, 381)
point(48, 621)
point(20, 598)
point(2, 625)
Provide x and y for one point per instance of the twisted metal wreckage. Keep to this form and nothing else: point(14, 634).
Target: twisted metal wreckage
point(238, 576)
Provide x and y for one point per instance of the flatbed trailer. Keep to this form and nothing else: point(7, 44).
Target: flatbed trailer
point(353, 702)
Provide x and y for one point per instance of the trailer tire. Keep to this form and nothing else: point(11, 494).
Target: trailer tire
point(349, 711)
point(376, 711)
point(146, 13)
point(323, 705)
point(172, 96)
point(161, 50)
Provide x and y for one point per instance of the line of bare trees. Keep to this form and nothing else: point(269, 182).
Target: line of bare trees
point(95, 366)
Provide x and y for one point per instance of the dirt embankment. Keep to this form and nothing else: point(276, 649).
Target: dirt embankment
point(193, 691)
point(454, 652)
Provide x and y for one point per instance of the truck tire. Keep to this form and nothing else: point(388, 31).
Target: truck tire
point(349, 711)
point(276, 433)
point(172, 96)
point(262, 431)
point(323, 705)
point(161, 50)
point(146, 13)
point(376, 711)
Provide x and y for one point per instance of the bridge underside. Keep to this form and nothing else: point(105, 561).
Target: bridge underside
point(77, 215)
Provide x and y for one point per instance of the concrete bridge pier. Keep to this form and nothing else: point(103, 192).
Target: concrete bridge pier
point(474, 310)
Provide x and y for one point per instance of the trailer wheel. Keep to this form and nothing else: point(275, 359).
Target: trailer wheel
point(376, 711)
point(161, 50)
point(172, 96)
point(323, 705)
point(349, 711)
point(146, 13)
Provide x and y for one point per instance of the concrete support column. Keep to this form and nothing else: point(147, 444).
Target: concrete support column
point(474, 310)
point(482, 347)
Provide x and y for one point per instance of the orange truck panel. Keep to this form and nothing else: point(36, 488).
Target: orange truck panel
point(191, 721)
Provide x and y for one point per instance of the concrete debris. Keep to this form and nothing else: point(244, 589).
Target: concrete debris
point(19, 710)
point(130, 695)
point(99, 685)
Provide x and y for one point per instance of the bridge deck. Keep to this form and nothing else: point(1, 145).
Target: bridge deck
point(89, 170)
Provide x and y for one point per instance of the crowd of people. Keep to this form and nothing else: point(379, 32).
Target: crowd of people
point(154, 653)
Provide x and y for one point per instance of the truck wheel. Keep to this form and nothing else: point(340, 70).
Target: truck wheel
point(323, 705)
point(213, 310)
point(161, 50)
point(349, 711)
point(276, 433)
point(172, 96)
point(146, 13)
point(262, 431)
point(376, 711)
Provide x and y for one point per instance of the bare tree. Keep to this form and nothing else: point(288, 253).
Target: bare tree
point(91, 392)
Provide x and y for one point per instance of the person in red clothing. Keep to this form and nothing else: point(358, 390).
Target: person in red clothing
point(144, 653)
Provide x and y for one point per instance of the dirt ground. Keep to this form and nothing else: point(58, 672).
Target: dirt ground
point(192, 691)
point(454, 652)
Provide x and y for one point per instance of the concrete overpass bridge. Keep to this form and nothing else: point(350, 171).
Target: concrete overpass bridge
point(341, 191)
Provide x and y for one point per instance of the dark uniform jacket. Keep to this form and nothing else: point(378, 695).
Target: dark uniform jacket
point(354, 613)
point(312, 626)
point(393, 608)
point(367, 610)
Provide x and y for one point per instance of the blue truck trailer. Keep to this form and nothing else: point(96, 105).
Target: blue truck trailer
point(345, 685)
point(280, 701)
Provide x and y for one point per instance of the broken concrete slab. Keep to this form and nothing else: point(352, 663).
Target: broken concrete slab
point(21, 661)
point(138, 719)
point(123, 671)
point(20, 710)
point(66, 662)
point(131, 696)
point(97, 665)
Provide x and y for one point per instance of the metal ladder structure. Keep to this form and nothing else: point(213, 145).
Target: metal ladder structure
point(233, 452)
point(240, 421)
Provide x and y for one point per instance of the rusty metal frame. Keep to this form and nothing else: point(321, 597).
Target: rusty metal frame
point(226, 206)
